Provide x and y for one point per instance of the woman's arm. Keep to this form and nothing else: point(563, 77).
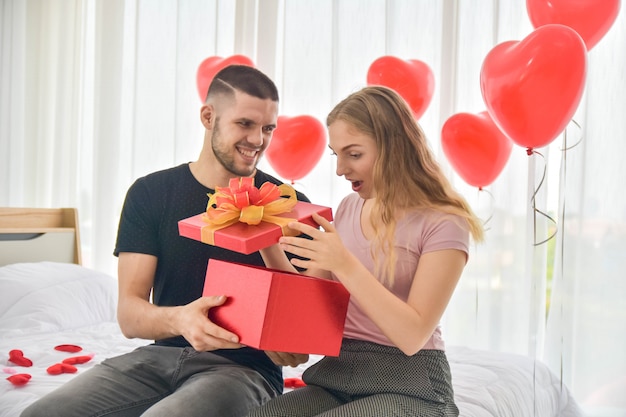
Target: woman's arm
point(275, 258)
point(409, 324)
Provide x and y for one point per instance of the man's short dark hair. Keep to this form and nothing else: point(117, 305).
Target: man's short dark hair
point(243, 78)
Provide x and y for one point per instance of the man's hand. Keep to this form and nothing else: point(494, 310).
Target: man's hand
point(287, 359)
point(202, 333)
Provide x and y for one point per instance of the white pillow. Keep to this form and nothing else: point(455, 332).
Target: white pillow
point(49, 296)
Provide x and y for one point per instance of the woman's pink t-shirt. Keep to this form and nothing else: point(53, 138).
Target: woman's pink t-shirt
point(417, 233)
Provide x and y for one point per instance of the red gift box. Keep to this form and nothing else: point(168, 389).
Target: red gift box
point(278, 311)
point(245, 238)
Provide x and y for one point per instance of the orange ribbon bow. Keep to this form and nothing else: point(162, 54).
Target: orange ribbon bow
point(242, 202)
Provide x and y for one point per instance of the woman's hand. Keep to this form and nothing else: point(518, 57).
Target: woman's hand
point(324, 250)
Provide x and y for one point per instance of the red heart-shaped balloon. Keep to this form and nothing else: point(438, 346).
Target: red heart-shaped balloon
point(533, 87)
point(592, 19)
point(476, 148)
point(211, 66)
point(411, 78)
point(297, 145)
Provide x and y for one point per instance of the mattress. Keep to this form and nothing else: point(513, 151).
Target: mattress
point(47, 306)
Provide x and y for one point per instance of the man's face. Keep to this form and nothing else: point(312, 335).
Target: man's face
point(242, 131)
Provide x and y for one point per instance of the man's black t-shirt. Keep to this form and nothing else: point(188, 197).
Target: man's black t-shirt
point(149, 224)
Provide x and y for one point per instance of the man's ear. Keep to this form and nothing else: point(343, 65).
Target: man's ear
point(207, 116)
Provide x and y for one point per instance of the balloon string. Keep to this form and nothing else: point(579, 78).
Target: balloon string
point(531, 152)
point(580, 139)
point(486, 221)
point(486, 228)
point(534, 385)
point(562, 192)
point(536, 211)
point(562, 246)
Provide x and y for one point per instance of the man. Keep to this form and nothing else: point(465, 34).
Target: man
point(194, 368)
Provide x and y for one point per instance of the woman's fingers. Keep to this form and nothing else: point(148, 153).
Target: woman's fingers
point(322, 221)
point(315, 250)
point(310, 230)
point(302, 228)
point(297, 246)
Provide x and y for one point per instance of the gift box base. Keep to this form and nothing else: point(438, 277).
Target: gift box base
point(278, 311)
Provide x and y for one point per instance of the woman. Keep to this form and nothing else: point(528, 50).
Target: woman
point(398, 244)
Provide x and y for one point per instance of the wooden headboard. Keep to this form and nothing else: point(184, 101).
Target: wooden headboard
point(39, 234)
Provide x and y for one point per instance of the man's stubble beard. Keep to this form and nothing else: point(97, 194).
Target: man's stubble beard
point(225, 157)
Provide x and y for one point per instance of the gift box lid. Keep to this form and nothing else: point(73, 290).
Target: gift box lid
point(245, 238)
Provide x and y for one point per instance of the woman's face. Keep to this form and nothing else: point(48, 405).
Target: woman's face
point(356, 153)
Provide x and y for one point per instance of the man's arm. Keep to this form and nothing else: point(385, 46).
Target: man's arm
point(138, 317)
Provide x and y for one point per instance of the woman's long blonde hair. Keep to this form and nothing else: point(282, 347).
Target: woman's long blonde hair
point(406, 174)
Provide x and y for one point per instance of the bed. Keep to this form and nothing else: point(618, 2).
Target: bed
point(56, 311)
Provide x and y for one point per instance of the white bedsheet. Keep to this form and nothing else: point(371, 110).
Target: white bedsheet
point(47, 304)
point(102, 340)
point(494, 384)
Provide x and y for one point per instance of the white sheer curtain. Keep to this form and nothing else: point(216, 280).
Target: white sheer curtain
point(95, 93)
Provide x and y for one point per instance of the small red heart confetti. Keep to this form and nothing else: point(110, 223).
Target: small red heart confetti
point(17, 357)
point(68, 348)
point(19, 379)
point(294, 383)
point(9, 370)
point(61, 368)
point(77, 360)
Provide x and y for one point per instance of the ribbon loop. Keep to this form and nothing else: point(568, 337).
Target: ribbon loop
point(242, 202)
